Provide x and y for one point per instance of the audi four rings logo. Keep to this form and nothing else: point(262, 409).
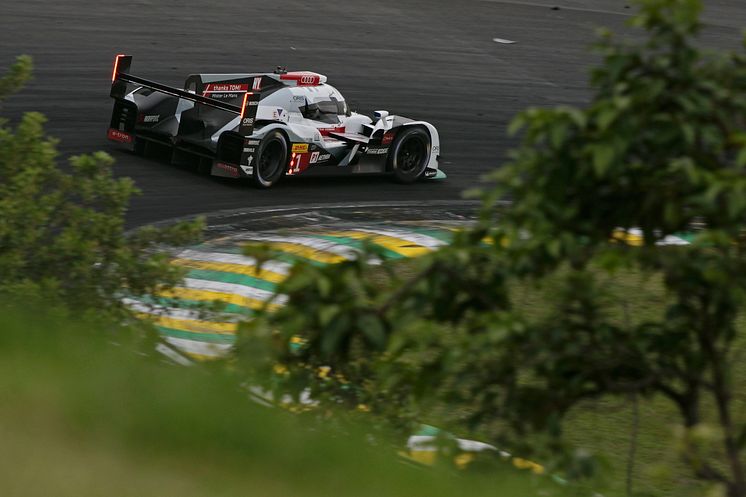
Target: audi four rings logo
point(307, 79)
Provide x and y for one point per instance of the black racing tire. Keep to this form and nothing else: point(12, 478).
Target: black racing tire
point(271, 160)
point(409, 155)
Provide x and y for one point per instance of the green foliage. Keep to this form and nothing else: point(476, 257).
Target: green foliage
point(660, 147)
point(83, 417)
point(20, 72)
point(658, 139)
point(62, 229)
point(357, 322)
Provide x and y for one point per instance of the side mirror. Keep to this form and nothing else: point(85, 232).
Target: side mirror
point(380, 114)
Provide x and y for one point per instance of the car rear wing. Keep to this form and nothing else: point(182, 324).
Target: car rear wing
point(124, 118)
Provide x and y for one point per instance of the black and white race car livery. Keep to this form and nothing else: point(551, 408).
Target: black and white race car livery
point(266, 125)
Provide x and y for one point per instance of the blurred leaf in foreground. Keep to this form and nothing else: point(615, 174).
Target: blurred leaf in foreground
point(82, 416)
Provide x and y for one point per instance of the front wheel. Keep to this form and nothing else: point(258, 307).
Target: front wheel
point(272, 159)
point(409, 155)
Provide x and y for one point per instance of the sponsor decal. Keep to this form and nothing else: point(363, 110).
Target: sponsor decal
point(222, 96)
point(436, 150)
point(326, 131)
point(317, 157)
point(225, 88)
point(249, 150)
point(387, 138)
point(247, 169)
point(377, 151)
point(252, 142)
point(151, 119)
point(302, 161)
point(257, 86)
point(247, 121)
point(299, 98)
point(229, 169)
point(300, 148)
point(119, 136)
point(429, 173)
point(253, 103)
point(249, 161)
point(302, 78)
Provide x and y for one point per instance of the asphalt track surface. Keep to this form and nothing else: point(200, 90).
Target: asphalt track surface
point(434, 60)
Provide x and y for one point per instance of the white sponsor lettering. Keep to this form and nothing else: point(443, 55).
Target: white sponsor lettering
point(257, 84)
point(377, 151)
point(229, 87)
point(120, 136)
point(314, 158)
point(249, 150)
point(151, 119)
point(324, 157)
point(248, 121)
point(252, 142)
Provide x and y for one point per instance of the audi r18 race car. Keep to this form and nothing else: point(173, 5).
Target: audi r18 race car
point(266, 125)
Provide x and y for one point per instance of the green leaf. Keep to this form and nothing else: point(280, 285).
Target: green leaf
point(373, 329)
point(516, 125)
point(606, 116)
point(327, 314)
point(741, 157)
point(558, 134)
point(603, 156)
point(332, 336)
point(324, 286)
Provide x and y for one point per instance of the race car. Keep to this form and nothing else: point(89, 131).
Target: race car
point(264, 126)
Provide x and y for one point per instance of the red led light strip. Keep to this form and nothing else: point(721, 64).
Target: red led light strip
point(116, 67)
point(245, 99)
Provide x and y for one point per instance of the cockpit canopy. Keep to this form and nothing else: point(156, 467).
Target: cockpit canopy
point(322, 103)
point(327, 111)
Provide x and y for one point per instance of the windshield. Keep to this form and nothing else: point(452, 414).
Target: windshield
point(327, 111)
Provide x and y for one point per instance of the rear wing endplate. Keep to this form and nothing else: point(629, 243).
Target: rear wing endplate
point(121, 76)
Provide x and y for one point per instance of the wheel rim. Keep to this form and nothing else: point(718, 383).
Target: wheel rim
point(411, 155)
point(270, 160)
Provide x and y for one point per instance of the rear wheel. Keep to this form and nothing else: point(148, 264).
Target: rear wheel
point(272, 160)
point(409, 155)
